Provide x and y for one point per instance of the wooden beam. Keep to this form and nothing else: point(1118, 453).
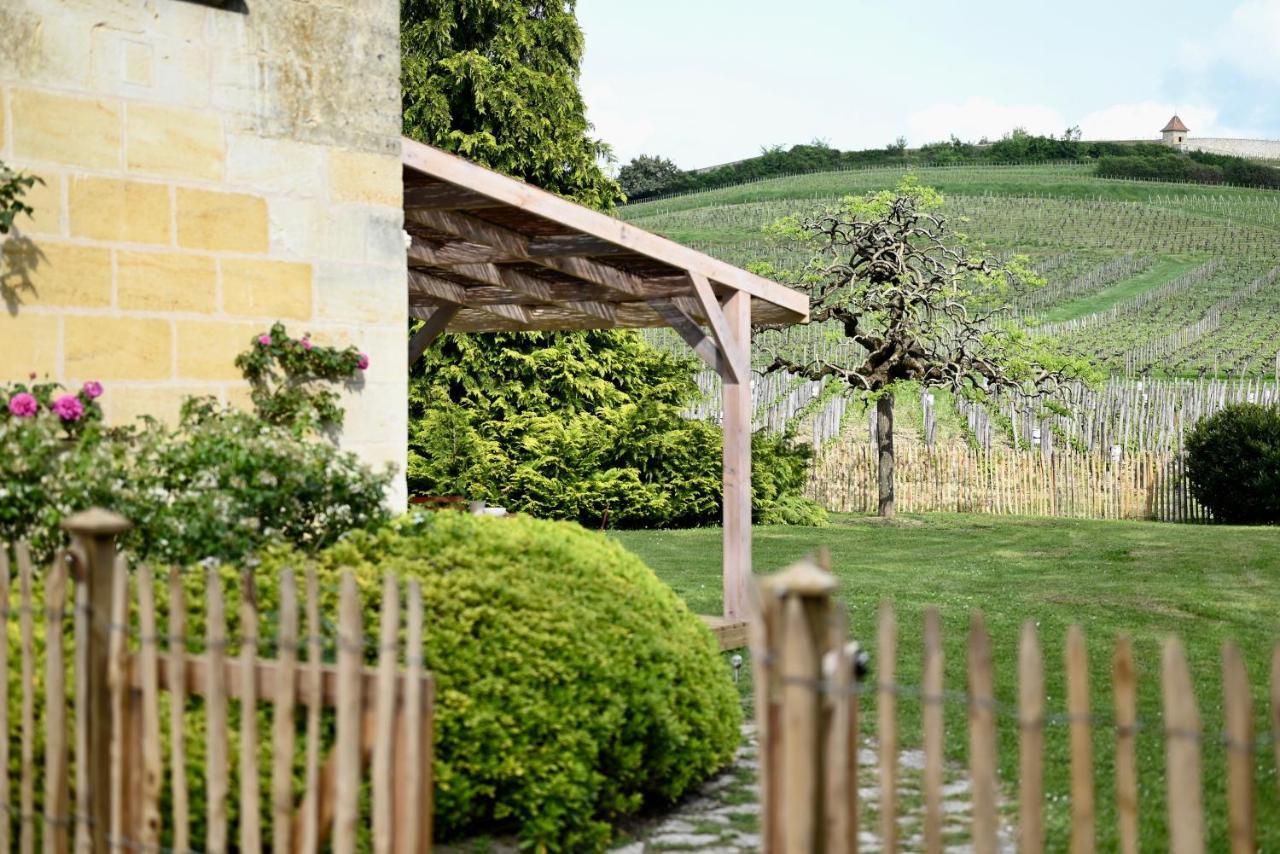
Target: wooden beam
point(437, 195)
point(434, 286)
point(516, 246)
point(737, 366)
point(701, 343)
point(561, 245)
point(435, 326)
point(737, 457)
point(455, 252)
point(512, 193)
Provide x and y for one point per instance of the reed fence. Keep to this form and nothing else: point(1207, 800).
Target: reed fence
point(115, 696)
point(807, 709)
point(954, 479)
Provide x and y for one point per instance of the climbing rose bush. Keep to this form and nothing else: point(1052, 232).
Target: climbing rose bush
point(220, 483)
point(292, 380)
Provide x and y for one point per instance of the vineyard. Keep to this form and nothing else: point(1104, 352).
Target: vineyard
point(1173, 290)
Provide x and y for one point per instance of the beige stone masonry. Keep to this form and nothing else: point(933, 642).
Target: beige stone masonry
point(206, 173)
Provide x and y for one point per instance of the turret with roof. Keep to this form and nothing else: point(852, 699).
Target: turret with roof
point(1175, 132)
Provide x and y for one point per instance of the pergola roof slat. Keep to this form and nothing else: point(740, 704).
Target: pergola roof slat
point(480, 239)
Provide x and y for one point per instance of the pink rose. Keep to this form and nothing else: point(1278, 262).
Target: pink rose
point(92, 389)
point(306, 343)
point(23, 405)
point(264, 340)
point(68, 407)
point(363, 361)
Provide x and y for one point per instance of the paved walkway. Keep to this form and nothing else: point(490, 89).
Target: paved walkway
point(724, 816)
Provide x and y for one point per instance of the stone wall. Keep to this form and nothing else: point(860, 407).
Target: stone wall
point(207, 170)
point(1254, 149)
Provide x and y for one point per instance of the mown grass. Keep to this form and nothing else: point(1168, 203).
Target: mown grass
point(1205, 584)
point(1165, 270)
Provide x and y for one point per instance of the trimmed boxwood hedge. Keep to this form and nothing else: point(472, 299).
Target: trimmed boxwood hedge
point(1233, 463)
point(573, 686)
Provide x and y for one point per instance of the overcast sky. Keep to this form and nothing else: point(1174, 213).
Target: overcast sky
point(710, 81)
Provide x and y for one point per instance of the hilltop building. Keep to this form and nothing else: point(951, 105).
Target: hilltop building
point(1175, 132)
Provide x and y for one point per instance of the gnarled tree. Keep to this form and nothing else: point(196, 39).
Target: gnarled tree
point(908, 302)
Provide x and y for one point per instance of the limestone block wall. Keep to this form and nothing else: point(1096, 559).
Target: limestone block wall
point(208, 169)
point(1255, 149)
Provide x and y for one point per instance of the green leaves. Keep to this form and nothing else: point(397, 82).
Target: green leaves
point(497, 82)
point(292, 379)
point(13, 186)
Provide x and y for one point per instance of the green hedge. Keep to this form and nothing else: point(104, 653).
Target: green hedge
point(1233, 463)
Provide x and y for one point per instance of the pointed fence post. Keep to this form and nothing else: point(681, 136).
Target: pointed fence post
point(93, 545)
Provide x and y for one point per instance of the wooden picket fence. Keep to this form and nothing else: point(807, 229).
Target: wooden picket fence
point(1145, 485)
point(101, 697)
point(807, 711)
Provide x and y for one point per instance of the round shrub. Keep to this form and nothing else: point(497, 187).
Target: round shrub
point(573, 686)
point(1233, 463)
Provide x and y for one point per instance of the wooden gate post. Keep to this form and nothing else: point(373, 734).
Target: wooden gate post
point(802, 637)
point(93, 534)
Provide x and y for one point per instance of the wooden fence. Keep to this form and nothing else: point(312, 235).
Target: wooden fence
point(807, 708)
point(98, 705)
point(961, 480)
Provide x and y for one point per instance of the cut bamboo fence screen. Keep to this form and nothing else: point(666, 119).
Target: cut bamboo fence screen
point(807, 712)
point(961, 480)
point(105, 689)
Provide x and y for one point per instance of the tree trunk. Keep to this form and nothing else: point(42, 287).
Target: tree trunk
point(884, 447)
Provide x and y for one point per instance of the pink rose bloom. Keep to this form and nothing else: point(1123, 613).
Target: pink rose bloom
point(23, 405)
point(363, 361)
point(264, 340)
point(306, 343)
point(68, 407)
point(92, 389)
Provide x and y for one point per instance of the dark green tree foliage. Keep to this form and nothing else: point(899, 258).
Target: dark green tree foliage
point(13, 186)
point(646, 176)
point(1233, 463)
point(1153, 161)
point(497, 82)
point(577, 426)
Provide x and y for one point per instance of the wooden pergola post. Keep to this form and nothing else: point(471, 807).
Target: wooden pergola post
point(487, 253)
point(737, 455)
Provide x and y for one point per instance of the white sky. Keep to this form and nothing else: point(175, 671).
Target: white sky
point(709, 81)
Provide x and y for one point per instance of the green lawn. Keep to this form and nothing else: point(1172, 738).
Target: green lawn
point(1163, 271)
point(1147, 580)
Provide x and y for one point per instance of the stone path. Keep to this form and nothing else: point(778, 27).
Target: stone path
point(724, 816)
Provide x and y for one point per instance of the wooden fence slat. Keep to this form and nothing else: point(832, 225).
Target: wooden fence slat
point(55, 744)
point(1125, 688)
point(763, 642)
point(413, 761)
point(385, 710)
point(982, 741)
point(148, 827)
point(118, 692)
point(933, 733)
point(308, 839)
point(1081, 727)
point(836, 746)
point(7, 605)
point(216, 771)
point(1237, 704)
point(800, 704)
point(1031, 721)
point(1182, 750)
point(887, 725)
point(82, 839)
point(1275, 702)
point(250, 786)
point(282, 723)
point(26, 631)
point(177, 653)
point(349, 713)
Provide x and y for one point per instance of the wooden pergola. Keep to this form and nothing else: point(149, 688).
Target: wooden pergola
point(491, 254)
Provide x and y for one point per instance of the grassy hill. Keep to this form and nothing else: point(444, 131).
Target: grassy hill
point(1075, 227)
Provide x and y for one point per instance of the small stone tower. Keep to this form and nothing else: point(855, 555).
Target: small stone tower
point(1174, 133)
